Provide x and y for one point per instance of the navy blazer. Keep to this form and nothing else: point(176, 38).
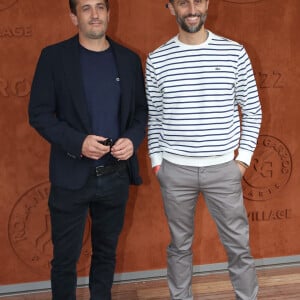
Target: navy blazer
point(58, 109)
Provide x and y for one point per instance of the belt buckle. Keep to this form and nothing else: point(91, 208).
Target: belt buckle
point(99, 170)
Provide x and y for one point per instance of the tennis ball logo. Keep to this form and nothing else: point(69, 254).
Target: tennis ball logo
point(29, 231)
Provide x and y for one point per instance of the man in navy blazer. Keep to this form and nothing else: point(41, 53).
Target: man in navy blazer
point(88, 101)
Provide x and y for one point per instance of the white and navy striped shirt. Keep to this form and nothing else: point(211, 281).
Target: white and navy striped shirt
point(194, 94)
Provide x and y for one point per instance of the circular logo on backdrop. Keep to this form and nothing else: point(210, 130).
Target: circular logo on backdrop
point(270, 169)
point(4, 4)
point(242, 1)
point(29, 231)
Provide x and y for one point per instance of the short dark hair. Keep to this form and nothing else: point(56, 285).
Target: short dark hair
point(73, 3)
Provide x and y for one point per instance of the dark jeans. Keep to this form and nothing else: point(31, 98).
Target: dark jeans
point(105, 198)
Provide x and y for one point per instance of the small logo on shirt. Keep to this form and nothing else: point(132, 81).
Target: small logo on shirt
point(218, 69)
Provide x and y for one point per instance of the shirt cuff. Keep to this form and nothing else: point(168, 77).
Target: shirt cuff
point(156, 159)
point(244, 156)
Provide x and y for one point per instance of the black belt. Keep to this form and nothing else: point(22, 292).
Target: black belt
point(103, 170)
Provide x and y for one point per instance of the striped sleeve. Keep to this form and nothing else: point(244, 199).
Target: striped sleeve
point(248, 100)
point(155, 110)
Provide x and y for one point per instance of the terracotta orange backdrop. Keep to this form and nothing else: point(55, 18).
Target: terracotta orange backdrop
point(269, 31)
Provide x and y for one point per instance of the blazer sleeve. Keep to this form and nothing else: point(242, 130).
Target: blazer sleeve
point(43, 107)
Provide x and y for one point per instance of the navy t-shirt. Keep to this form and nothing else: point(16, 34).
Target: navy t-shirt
point(102, 90)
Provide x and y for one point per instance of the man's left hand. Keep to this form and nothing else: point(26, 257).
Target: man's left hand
point(122, 149)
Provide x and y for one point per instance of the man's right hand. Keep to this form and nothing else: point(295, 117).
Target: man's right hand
point(91, 147)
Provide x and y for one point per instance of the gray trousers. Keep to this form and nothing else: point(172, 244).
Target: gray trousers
point(221, 188)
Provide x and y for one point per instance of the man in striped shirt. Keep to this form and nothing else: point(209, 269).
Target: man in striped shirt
point(204, 121)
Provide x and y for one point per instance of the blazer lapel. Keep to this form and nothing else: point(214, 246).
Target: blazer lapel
point(124, 83)
point(71, 61)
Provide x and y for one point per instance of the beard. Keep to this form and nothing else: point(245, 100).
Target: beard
point(191, 29)
point(95, 35)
